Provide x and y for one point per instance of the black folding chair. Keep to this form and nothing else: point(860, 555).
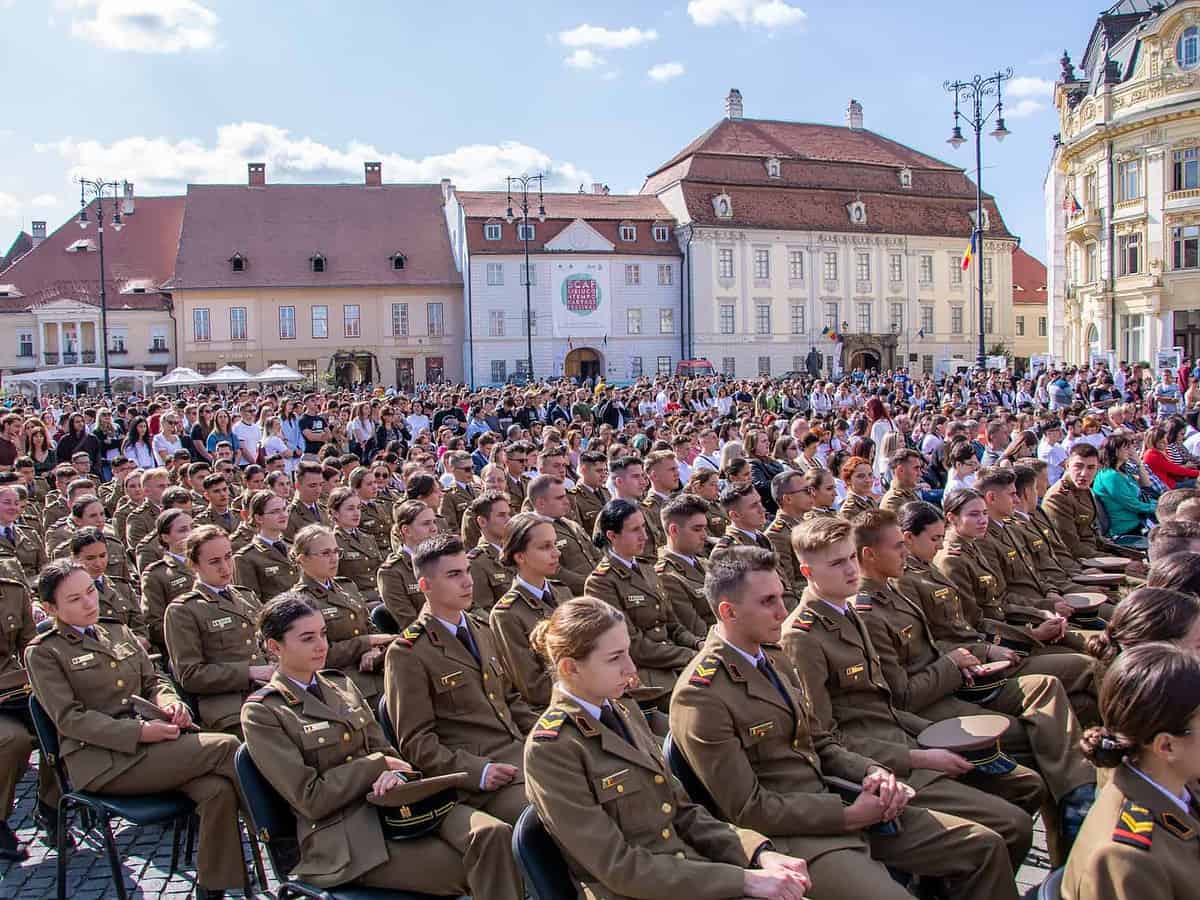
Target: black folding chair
point(144, 809)
point(1050, 889)
point(539, 859)
point(682, 769)
point(275, 826)
point(385, 722)
point(384, 621)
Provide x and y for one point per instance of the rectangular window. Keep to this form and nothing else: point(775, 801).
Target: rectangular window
point(728, 366)
point(491, 231)
point(1132, 328)
point(399, 320)
point(764, 366)
point(635, 367)
point(864, 318)
point(987, 270)
point(525, 232)
point(1186, 169)
point(499, 371)
point(989, 320)
point(629, 232)
point(797, 363)
point(956, 320)
point(200, 326)
point(666, 274)
point(661, 232)
point(762, 318)
point(287, 323)
point(726, 318)
point(831, 266)
point(927, 320)
point(522, 366)
point(158, 339)
point(1129, 254)
point(725, 263)
point(434, 321)
point(956, 270)
point(633, 321)
point(1185, 240)
point(796, 265)
point(926, 270)
point(664, 365)
point(527, 274)
point(831, 317)
point(307, 368)
point(496, 323)
point(666, 321)
point(1020, 326)
point(1092, 263)
point(927, 363)
point(1089, 191)
point(896, 317)
point(206, 368)
point(762, 265)
point(799, 323)
point(1041, 326)
point(350, 319)
point(896, 268)
point(862, 267)
point(633, 274)
point(237, 323)
point(495, 274)
point(320, 321)
point(1129, 176)
point(25, 343)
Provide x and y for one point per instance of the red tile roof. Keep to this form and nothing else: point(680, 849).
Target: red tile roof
point(144, 250)
point(1029, 278)
point(21, 245)
point(277, 228)
point(569, 206)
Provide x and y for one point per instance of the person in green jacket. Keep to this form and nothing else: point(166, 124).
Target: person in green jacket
point(1117, 491)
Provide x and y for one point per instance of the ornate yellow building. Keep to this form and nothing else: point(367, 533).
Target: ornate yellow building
point(1123, 190)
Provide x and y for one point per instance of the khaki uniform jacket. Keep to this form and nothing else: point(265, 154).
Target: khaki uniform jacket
point(964, 565)
point(1008, 559)
point(1072, 513)
point(820, 512)
point(111, 495)
point(119, 603)
point(762, 756)
point(300, 515)
point(212, 644)
point(377, 521)
point(84, 683)
point(515, 487)
point(896, 498)
point(455, 502)
point(264, 568)
point(360, 562)
point(940, 600)
point(347, 627)
point(656, 537)
point(28, 548)
point(1135, 845)
point(682, 582)
point(17, 627)
point(588, 503)
point(148, 552)
point(242, 536)
point(854, 504)
point(120, 518)
point(511, 620)
point(118, 560)
point(451, 713)
point(578, 556)
point(736, 537)
point(56, 508)
point(163, 582)
point(470, 532)
point(490, 578)
point(658, 644)
point(1040, 553)
point(140, 522)
point(397, 581)
point(1062, 555)
point(717, 521)
point(779, 533)
point(323, 757)
point(622, 819)
point(227, 521)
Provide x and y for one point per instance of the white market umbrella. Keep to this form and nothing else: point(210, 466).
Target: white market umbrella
point(181, 376)
point(228, 375)
point(279, 372)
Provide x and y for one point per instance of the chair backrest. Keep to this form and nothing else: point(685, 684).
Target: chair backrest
point(540, 860)
point(1051, 888)
point(47, 735)
point(273, 820)
point(384, 621)
point(45, 625)
point(687, 776)
point(385, 722)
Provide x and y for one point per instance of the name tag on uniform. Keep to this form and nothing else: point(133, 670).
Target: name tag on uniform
point(906, 632)
point(1037, 543)
point(615, 778)
point(80, 661)
point(271, 570)
point(985, 579)
point(1012, 554)
point(941, 594)
point(452, 678)
point(220, 624)
point(351, 554)
point(315, 726)
point(179, 582)
point(854, 670)
point(560, 544)
point(123, 650)
point(330, 612)
point(1086, 517)
point(635, 600)
point(761, 728)
point(412, 588)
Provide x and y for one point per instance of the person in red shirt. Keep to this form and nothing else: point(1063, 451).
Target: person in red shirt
point(1154, 455)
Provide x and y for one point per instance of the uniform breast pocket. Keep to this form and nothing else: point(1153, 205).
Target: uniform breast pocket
point(753, 734)
point(452, 691)
point(318, 737)
point(642, 610)
point(620, 795)
point(222, 635)
point(854, 676)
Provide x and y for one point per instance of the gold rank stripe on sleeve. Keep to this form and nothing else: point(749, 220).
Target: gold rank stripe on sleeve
point(705, 670)
point(1135, 827)
point(411, 633)
point(804, 621)
point(548, 725)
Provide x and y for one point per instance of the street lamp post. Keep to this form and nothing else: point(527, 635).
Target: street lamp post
point(975, 94)
point(523, 183)
point(96, 188)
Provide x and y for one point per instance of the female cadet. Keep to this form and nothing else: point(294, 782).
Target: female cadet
point(1145, 615)
point(1142, 838)
point(90, 549)
point(595, 774)
point(265, 564)
point(360, 554)
point(530, 549)
point(823, 487)
point(315, 739)
point(168, 578)
point(353, 649)
point(210, 633)
point(83, 672)
point(415, 521)
point(88, 512)
point(706, 484)
point(376, 515)
point(859, 478)
point(619, 580)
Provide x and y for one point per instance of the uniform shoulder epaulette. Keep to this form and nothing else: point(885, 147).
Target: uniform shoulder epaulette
point(706, 668)
point(548, 726)
point(604, 565)
point(263, 693)
point(409, 635)
point(41, 636)
point(506, 601)
point(474, 552)
point(862, 602)
point(341, 579)
point(804, 621)
point(776, 526)
point(660, 565)
point(1135, 826)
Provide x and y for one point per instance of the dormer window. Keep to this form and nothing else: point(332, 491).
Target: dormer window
point(661, 233)
point(316, 262)
point(906, 178)
point(398, 261)
point(986, 221)
point(83, 245)
point(628, 232)
point(9, 290)
point(723, 206)
point(237, 262)
point(525, 232)
point(774, 169)
point(1187, 48)
point(491, 231)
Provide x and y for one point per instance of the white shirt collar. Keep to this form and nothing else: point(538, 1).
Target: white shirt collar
point(215, 590)
point(690, 560)
point(453, 627)
point(753, 535)
point(622, 560)
point(536, 591)
point(1184, 802)
point(840, 610)
point(590, 708)
point(753, 660)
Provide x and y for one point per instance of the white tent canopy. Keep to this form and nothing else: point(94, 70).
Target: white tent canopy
point(279, 372)
point(180, 377)
point(229, 375)
point(75, 374)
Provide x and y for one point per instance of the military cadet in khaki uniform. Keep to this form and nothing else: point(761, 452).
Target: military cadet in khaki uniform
point(459, 495)
point(906, 467)
point(397, 579)
point(680, 568)
point(54, 505)
point(16, 540)
point(127, 504)
point(452, 703)
point(90, 548)
point(376, 512)
point(491, 511)
point(516, 460)
point(859, 478)
point(588, 496)
point(742, 717)
point(578, 555)
point(87, 511)
point(305, 508)
point(747, 516)
point(216, 510)
point(315, 739)
point(793, 501)
point(265, 564)
point(1035, 546)
point(141, 519)
point(597, 777)
point(210, 634)
point(83, 672)
point(662, 471)
point(360, 556)
point(1070, 506)
point(706, 484)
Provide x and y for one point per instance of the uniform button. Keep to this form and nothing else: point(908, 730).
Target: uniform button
point(666, 834)
point(666, 807)
point(120, 682)
point(244, 625)
point(112, 665)
point(620, 788)
point(679, 854)
point(247, 640)
point(491, 696)
point(345, 736)
point(349, 759)
point(795, 745)
point(320, 740)
point(352, 618)
point(658, 779)
point(356, 632)
point(485, 676)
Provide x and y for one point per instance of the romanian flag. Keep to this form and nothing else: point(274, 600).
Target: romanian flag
point(1072, 205)
point(967, 257)
point(833, 336)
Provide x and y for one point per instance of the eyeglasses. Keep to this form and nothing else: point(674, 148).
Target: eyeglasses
point(327, 554)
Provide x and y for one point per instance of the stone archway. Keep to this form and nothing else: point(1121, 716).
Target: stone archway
point(582, 363)
point(865, 360)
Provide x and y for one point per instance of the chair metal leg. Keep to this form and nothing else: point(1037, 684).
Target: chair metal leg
point(191, 840)
point(175, 841)
point(259, 874)
point(114, 861)
point(60, 845)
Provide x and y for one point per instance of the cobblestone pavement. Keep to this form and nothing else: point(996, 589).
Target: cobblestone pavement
point(146, 854)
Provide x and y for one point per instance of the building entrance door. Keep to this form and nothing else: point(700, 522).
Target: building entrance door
point(405, 382)
point(582, 363)
point(435, 371)
point(1187, 332)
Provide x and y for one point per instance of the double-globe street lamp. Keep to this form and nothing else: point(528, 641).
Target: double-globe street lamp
point(975, 95)
point(96, 189)
point(523, 183)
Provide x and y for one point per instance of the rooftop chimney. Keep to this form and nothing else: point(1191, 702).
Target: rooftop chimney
point(598, 188)
point(127, 201)
point(258, 174)
point(447, 189)
point(854, 116)
point(37, 232)
point(374, 172)
point(733, 104)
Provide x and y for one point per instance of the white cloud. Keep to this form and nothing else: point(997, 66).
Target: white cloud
point(159, 165)
point(1023, 108)
point(606, 38)
point(760, 13)
point(665, 71)
point(583, 59)
point(143, 26)
point(9, 206)
point(44, 200)
point(1031, 93)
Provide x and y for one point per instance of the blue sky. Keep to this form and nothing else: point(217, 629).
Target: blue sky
point(164, 92)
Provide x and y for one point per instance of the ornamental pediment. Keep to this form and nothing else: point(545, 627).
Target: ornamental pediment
point(64, 308)
point(580, 237)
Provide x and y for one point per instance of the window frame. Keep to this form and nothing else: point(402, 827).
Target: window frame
point(24, 334)
point(795, 265)
point(666, 320)
point(762, 264)
point(497, 269)
point(201, 335)
point(627, 232)
point(956, 318)
point(435, 319)
point(313, 318)
point(928, 319)
point(829, 266)
point(925, 270)
point(662, 366)
point(496, 323)
point(402, 309)
point(633, 275)
point(727, 318)
point(347, 319)
point(283, 336)
point(236, 334)
point(1185, 169)
point(493, 231)
point(526, 228)
point(633, 320)
point(1129, 250)
point(661, 233)
point(666, 275)
point(862, 317)
point(1180, 239)
point(798, 312)
point(762, 318)
point(1187, 48)
point(862, 267)
point(896, 268)
point(725, 264)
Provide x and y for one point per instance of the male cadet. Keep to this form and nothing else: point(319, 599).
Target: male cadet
point(516, 461)
point(1043, 731)
point(16, 540)
point(491, 511)
point(56, 505)
point(906, 466)
point(452, 703)
point(112, 492)
point(217, 511)
point(743, 718)
point(577, 554)
point(141, 521)
point(589, 495)
point(1041, 555)
point(680, 568)
point(628, 478)
point(662, 470)
point(747, 516)
point(193, 480)
point(305, 508)
point(459, 495)
point(793, 500)
point(825, 638)
point(1175, 536)
point(1071, 509)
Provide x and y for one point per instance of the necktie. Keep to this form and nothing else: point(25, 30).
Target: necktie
point(90, 631)
point(100, 584)
point(281, 547)
point(465, 637)
point(762, 540)
point(314, 688)
point(10, 534)
point(764, 665)
point(610, 720)
point(224, 594)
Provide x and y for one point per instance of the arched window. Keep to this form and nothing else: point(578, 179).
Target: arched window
point(1187, 48)
point(1093, 339)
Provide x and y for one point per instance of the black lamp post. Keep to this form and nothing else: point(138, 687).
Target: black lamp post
point(96, 189)
point(975, 95)
point(523, 183)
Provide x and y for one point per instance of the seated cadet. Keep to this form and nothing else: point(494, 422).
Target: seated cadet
point(55, 505)
point(680, 567)
point(589, 494)
point(530, 551)
point(662, 473)
point(305, 507)
point(17, 540)
point(706, 484)
point(747, 516)
point(461, 492)
point(151, 549)
point(415, 522)
point(742, 717)
point(428, 490)
point(112, 492)
point(794, 501)
point(1139, 841)
point(823, 487)
point(168, 578)
point(88, 512)
point(659, 644)
point(90, 549)
point(288, 725)
point(906, 466)
point(1043, 731)
point(254, 480)
point(596, 775)
point(361, 557)
point(827, 642)
point(859, 479)
point(547, 496)
point(141, 519)
point(58, 533)
point(1147, 614)
point(210, 634)
point(132, 497)
point(491, 480)
point(491, 510)
point(453, 706)
point(83, 671)
point(191, 479)
point(265, 564)
point(355, 647)
point(376, 513)
point(216, 509)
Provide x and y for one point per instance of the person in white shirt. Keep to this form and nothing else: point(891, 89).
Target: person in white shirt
point(249, 436)
point(1051, 452)
point(166, 442)
point(708, 457)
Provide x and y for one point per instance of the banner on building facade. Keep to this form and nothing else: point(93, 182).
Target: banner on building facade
point(581, 299)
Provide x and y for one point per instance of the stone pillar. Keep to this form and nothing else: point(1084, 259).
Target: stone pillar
point(62, 342)
point(98, 337)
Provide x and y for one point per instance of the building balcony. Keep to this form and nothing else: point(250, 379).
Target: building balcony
point(70, 358)
point(1192, 194)
point(88, 357)
point(1129, 208)
point(51, 357)
point(1084, 225)
point(159, 348)
point(118, 350)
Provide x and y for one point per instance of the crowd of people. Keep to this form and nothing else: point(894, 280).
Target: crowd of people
point(886, 620)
